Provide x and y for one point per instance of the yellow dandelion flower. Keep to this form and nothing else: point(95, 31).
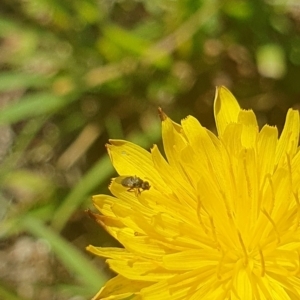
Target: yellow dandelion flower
point(220, 219)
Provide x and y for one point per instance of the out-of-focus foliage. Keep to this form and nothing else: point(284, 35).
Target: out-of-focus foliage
point(75, 73)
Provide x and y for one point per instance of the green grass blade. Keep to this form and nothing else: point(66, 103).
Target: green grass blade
point(72, 259)
point(101, 170)
point(32, 106)
point(16, 80)
point(6, 294)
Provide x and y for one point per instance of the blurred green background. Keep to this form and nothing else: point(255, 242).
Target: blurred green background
point(75, 73)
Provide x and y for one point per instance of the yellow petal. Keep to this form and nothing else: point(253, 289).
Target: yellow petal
point(119, 288)
point(175, 182)
point(173, 141)
point(184, 286)
point(139, 269)
point(249, 128)
point(110, 252)
point(242, 286)
point(130, 159)
point(266, 147)
point(289, 138)
point(191, 259)
point(142, 245)
point(226, 109)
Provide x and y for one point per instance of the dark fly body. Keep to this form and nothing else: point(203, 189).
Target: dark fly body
point(134, 183)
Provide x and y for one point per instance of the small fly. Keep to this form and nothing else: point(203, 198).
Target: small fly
point(135, 184)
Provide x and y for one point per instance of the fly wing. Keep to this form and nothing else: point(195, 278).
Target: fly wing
point(117, 180)
point(120, 179)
